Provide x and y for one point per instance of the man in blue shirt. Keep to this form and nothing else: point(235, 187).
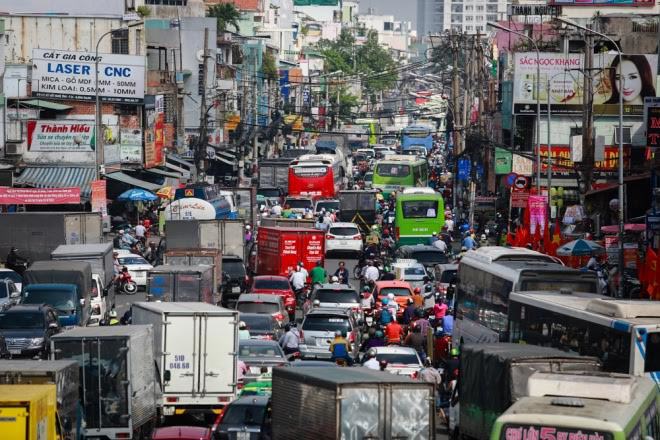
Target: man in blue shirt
point(468, 242)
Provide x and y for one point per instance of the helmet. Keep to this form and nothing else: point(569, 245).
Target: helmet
point(374, 227)
point(112, 314)
point(390, 296)
point(316, 303)
point(454, 352)
point(242, 325)
point(418, 290)
point(371, 353)
point(463, 248)
point(379, 333)
point(334, 279)
point(248, 227)
point(121, 232)
point(384, 301)
point(434, 233)
point(365, 288)
point(337, 332)
point(483, 236)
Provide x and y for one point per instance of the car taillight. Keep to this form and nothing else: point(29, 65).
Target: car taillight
point(329, 236)
point(218, 420)
point(357, 237)
point(302, 335)
point(171, 399)
point(247, 279)
point(397, 233)
point(279, 317)
point(269, 337)
point(413, 375)
point(351, 337)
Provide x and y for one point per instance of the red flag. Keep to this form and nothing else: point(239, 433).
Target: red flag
point(651, 269)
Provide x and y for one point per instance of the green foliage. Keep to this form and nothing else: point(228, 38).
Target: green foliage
point(143, 11)
point(226, 14)
point(269, 67)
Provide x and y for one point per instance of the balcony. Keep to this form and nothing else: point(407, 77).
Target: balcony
point(157, 78)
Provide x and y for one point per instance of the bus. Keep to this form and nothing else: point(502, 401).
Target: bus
point(588, 406)
point(488, 276)
point(372, 126)
point(418, 214)
point(315, 175)
point(623, 334)
point(417, 136)
point(400, 171)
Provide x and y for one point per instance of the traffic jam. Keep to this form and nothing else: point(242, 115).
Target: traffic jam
point(340, 299)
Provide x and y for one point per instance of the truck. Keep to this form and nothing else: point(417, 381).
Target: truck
point(63, 374)
point(193, 257)
point(359, 207)
point(503, 369)
point(311, 403)
point(195, 345)
point(274, 173)
point(226, 235)
point(118, 387)
point(99, 256)
point(171, 283)
point(37, 234)
point(279, 249)
point(287, 222)
point(65, 285)
point(27, 412)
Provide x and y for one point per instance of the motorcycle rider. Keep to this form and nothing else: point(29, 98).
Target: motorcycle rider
point(15, 261)
point(371, 272)
point(297, 280)
point(318, 274)
point(340, 348)
point(113, 318)
point(290, 340)
point(342, 273)
point(483, 241)
point(371, 362)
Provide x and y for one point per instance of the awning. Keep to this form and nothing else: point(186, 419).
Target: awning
point(163, 173)
point(58, 177)
point(125, 178)
point(49, 105)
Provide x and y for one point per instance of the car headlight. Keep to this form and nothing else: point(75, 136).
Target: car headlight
point(36, 342)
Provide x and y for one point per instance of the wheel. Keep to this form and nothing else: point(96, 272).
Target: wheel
point(130, 288)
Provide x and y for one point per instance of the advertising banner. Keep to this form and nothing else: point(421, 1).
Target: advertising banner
point(653, 126)
point(130, 145)
point(99, 196)
point(521, 165)
point(39, 196)
point(519, 199)
point(566, 95)
point(464, 166)
point(561, 158)
point(55, 136)
point(537, 212)
point(62, 74)
point(502, 161)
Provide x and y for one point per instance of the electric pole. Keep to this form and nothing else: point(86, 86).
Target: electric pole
point(587, 165)
point(201, 142)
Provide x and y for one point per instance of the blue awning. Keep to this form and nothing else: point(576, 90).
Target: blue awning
point(58, 177)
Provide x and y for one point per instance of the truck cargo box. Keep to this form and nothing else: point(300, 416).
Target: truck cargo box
point(287, 222)
point(99, 256)
point(280, 249)
point(194, 257)
point(182, 283)
point(28, 412)
point(226, 235)
point(315, 403)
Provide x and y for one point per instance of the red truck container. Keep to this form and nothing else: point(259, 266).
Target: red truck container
point(280, 249)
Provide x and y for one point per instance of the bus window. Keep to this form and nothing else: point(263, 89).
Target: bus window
point(652, 360)
point(393, 170)
point(558, 284)
point(420, 209)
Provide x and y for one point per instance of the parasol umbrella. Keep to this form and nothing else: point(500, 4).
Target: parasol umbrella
point(580, 247)
point(137, 195)
point(166, 192)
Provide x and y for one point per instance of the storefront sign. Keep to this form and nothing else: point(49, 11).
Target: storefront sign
point(561, 158)
point(99, 197)
point(62, 74)
point(519, 199)
point(57, 136)
point(39, 196)
point(464, 166)
point(502, 161)
point(653, 126)
point(131, 146)
point(521, 165)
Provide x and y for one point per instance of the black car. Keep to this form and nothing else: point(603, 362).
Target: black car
point(246, 417)
point(234, 278)
point(27, 329)
point(429, 256)
point(262, 326)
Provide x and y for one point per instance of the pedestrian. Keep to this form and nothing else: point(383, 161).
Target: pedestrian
point(290, 340)
point(243, 332)
point(318, 273)
point(342, 273)
point(140, 231)
point(371, 362)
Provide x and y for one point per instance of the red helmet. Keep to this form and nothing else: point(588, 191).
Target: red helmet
point(418, 290)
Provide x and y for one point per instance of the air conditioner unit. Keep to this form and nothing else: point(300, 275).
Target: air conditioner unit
point(627, 135)
point(13, 149)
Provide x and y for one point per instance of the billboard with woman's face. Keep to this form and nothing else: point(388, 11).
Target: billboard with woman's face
point(633, 79)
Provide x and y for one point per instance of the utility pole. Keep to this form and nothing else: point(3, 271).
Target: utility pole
point(200, 153)
point(456, 134)
point(587, 117)
point(338, 105)
point(255, 109)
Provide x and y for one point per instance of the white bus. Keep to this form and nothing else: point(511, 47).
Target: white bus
point(623, 334)
point(487, 277)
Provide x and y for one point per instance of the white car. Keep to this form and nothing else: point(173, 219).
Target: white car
point(400, 360)
point(13, 276)
point(411, 271)
point(137, 267)
point(343, 236)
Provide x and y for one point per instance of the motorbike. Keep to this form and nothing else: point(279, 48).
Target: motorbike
point(126, 284)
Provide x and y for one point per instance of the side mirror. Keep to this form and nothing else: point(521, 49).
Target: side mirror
point(15, 295)
point(105, 291)
point(82, 302)
point(167, 376)
point(53, 325)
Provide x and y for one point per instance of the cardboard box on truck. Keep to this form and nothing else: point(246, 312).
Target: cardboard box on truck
point(27, 412)
point(63, 374)
point(280, 249)
point(171, 283)
point(37, 234)
point(195, 346)
point(312, 403)
point(226, 235)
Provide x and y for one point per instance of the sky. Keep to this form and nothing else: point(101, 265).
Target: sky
point(403, 10)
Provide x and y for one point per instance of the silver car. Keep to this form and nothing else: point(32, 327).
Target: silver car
point(318, 331)
point(340, 296)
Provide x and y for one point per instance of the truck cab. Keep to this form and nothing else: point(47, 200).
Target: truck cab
point(72, 310)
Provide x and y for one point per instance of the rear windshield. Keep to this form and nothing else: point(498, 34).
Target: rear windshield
point(336, 296)
point(398, 358)
point(271, 284)
point(62, 300)
point(414, 270)
point(269, 192)
point(234, 268)
point(259, 350)
point(420, 209)
point(244, 415)
point(11, 275)
point(255, 307)
point(344, 231)
point(299, 204)
point(132, 260)
point(20, 320)
point(430, 257)
point(393, 170)
point(326, 323)
point(258, 322)
point(558, 284)
point(448, 276)
point(327, 205)
point(397, 291)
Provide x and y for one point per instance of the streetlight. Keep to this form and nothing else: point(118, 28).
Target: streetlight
point(97, 110)
point(538, 100)
point(621, 195)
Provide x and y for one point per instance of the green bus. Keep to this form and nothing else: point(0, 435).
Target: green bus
point(373, 126)
point(400, 171)
point(589, 406)
point(419, 213)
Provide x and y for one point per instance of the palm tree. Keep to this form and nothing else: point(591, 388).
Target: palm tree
point(226, 14)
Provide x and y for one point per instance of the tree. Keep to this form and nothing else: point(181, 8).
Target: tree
point(226, 14)
point(269, 67)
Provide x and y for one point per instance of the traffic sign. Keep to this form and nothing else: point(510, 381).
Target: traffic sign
point(510, 179)
point(521, 183)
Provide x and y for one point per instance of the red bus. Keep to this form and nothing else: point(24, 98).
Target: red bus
point(315, 175)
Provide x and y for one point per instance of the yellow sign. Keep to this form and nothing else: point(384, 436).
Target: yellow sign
point(232, 122)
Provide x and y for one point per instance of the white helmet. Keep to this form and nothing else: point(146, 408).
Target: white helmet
point(248, 227)
point(242, 325)
point(483, 236)
point(334, 279)
point(112, 313)
point(121, 232)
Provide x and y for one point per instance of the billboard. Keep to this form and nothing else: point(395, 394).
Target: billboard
point(502, 161)
point(60, 135)
point(561, 158)
point(653, 126)
point(39, 196)
point(560, 72)
point(62, 74)
point(130, 145)
point(601, 3)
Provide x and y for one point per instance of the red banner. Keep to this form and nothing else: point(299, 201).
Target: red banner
point(561, 158)
point(519, 199)
point(39, 196)
point(99, 196)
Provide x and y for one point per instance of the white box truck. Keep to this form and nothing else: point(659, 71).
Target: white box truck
point(196, 346)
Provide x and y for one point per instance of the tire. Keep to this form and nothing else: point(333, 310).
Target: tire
point(130, 288)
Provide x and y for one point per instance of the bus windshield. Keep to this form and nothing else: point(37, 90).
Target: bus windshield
point(392, 170)
point(420, 209)
point(310, 171)
point(417, 133)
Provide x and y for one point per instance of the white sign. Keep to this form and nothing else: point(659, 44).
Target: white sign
point(131, 145)
point(44, 135)
point(70, 75)
point(521, 165)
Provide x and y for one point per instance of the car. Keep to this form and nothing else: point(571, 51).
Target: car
point(410, 271)
point(299, 204)
point(368, 180)
point(258, 354)
point(8, 274)
point(137, 267)
point(262, 326)
point(445, 274)
point(265, 304)
point(181, 433)
point(246, 418)
point(10, 294)
point(276, 285)
point(27, 329)
point(400, 360)
point(235, 279)
point(318, 330)
point(428, 255)
point(343, 237)
point(327, 204)
point(271, 193)
point(401, 290)
point(298, 363)
point(264, 203)
point(341, 296)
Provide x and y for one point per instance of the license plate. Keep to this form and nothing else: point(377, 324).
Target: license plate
point(236, 289)
point(168, 410)
point(242, 436)
point(14, 351)
point(343, 242)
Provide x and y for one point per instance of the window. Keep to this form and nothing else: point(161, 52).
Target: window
point(491, 17)
point(468, 18)
point(388, 26)
point(120, 41)
point(627, 139)
point(469, 8)
point(166, 2)
point(138, 41)
point(393, 170)
point(491, 8)
point(479, 28)
point(479, 18)
point(420, 209)
point(480, 8)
